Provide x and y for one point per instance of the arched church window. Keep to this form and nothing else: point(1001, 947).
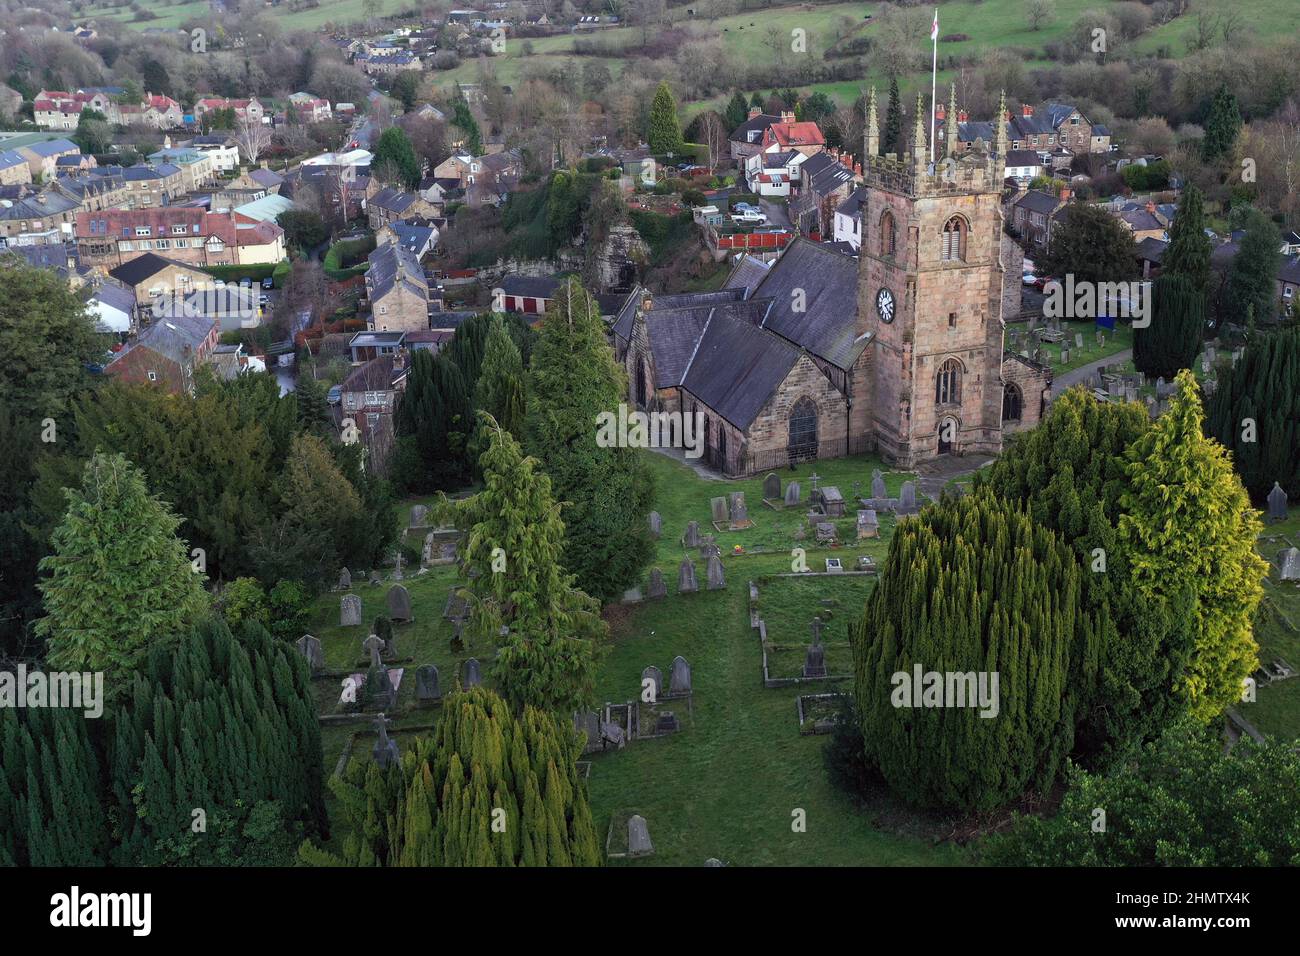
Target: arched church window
point(888, 235)
point(947, 384)
point(1013, 402)
point(803, 427)
point(954, 240)
point(640, 384)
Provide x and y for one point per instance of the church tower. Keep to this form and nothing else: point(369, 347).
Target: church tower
point(930, 292)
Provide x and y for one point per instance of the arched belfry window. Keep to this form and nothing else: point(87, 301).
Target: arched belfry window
point(947, 384)
point(1013, 402)
point(803, 427)
point(888, 235)
point(954, 240)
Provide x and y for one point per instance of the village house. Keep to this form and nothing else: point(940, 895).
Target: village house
point(825, 180)
point(747, 138)
point(1024, 166)
point(1057, 126)
point(166, 353)
point(221, 148)
point(151, 275)
point(42, 158)
point(416, 239)
point(32, 216)
point(1035, 214)
point(250, 109)
point(14, 169)
point(848, 219)
point(391, 204)
point(105, 189)
point(397, 289)
point(192, 235)
point(772, 173)
point(196, 166)
point(1144, 220)
point(387, 64)
point(310, 108)
point(56, 109)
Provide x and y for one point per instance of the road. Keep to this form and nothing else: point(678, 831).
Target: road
point(1084, 372)
point(776, 213)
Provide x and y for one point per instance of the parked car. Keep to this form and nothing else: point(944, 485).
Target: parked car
point(749, 218)
point(268, 283)
point(263, 299)
point(218, 283)
point(335, 394)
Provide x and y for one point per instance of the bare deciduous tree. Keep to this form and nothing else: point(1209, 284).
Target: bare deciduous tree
point(252, 136)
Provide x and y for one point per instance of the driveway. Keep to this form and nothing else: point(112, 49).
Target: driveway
point(776, 213)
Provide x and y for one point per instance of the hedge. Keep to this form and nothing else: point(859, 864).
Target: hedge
point(256, 271)
point(348, 251)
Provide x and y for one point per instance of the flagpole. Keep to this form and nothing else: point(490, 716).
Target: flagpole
point(934, 78)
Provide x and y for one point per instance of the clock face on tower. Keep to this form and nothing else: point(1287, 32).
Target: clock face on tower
point(885, 305)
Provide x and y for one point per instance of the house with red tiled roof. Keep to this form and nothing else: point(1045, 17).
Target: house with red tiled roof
point(790, 134)
point(244, 109)
point(194, 236)
point(58, 109)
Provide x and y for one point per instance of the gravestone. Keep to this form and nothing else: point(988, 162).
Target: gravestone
point(878, 485)
point(686, 577)
point(1101, 337)
point(1114, 388)
point(868, 524)
point(834, 566)
point(472, 677)
point(1130, 393)
point(656, 524)
point(657, 587)
point(426, 684)
point(772, 486)
point(457, 606)
point(907, 499)
point(638, 837)
point(345, 580)
point(792, 493)
point(692, 537)
point(310, 648)
point(385, 750)
point(349, 610)
point(709, 547)
point(632, 596)
point(1078, 340)
point(399, 603)
point(833, 502)
point(667, 723)
point(679, 677)
point(1205, 363)
point(1065, 356)
point(397, 567)
point(426, 553)
point(588, 724)
point(657, 676)
point(825, 531)
point(373, 647)
point(375, 579)
point(814, 664)
point(717, 579)
point(419, 516)
point(1277, 503)
point(718, 509)
point(739, 514)
point(1288, 563)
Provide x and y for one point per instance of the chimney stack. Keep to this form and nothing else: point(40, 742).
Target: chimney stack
point(963, 116)
point(787, 116)
point(1026, 109)
point(754, 111)
point(1151, 206)
point(1066, 193)
point(647, 301)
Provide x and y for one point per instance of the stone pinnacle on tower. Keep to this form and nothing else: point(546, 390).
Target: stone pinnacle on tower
point(920, 148)
point(871, 133)
point(1000, 128)
point(950, 124)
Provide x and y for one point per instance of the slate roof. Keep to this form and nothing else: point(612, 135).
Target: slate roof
point(176, 338)
point(1152, 249)
point(529, 286)
point(756, 124)
point(1036, 200)
point(265, 177)
point(383, 274)
point(448, 320)
point(747, 274)
point(737, 367)
point(828, 279)
point(1023, 157)
point(53, 147)
point(674, 335)
point(392, 199)
point(852, 207)
point(50, 256)
point(10, 158)
point(143, 267)
point(826, 176)
point(114, 295)
point(38, 205)
point(414, 238)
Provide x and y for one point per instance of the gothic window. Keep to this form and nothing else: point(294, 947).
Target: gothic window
point(947, 384)
point(803, 427)
point(888, 241)
point(1012, 403)
point(640, 383)
point(954, 240)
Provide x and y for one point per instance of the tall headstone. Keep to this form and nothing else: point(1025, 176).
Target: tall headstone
point(657, 587)
point(1078, 340)
point(349, 610)
point(709, 547)
point(426, 684)
point(792, 493)
point(718, 509)
point(907, 499)
point(419, 516)
point(686, 577)
point(345, 580)
point(814, 664)
point(868, 524)
point(310, 648)
point(692, 537)
point(717, 579)
point(373, 647)
point(385, 750)
point(656, 524)
point(399, 603)
point(638, 837)
point(1288, 564)
point(772, 486)
point(1277, 503)
point(737, 512)
point(878, 485)
point(472, 676)
point(679, 677)
point(656, 676)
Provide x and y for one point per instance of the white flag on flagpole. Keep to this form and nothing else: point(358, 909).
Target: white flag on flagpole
point(934, 27)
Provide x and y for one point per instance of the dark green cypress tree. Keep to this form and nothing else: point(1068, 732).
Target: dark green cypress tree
point(1221, 126)
point(1173, 339)
point(972, 586)
point(737, 110)
point(1188, 253)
